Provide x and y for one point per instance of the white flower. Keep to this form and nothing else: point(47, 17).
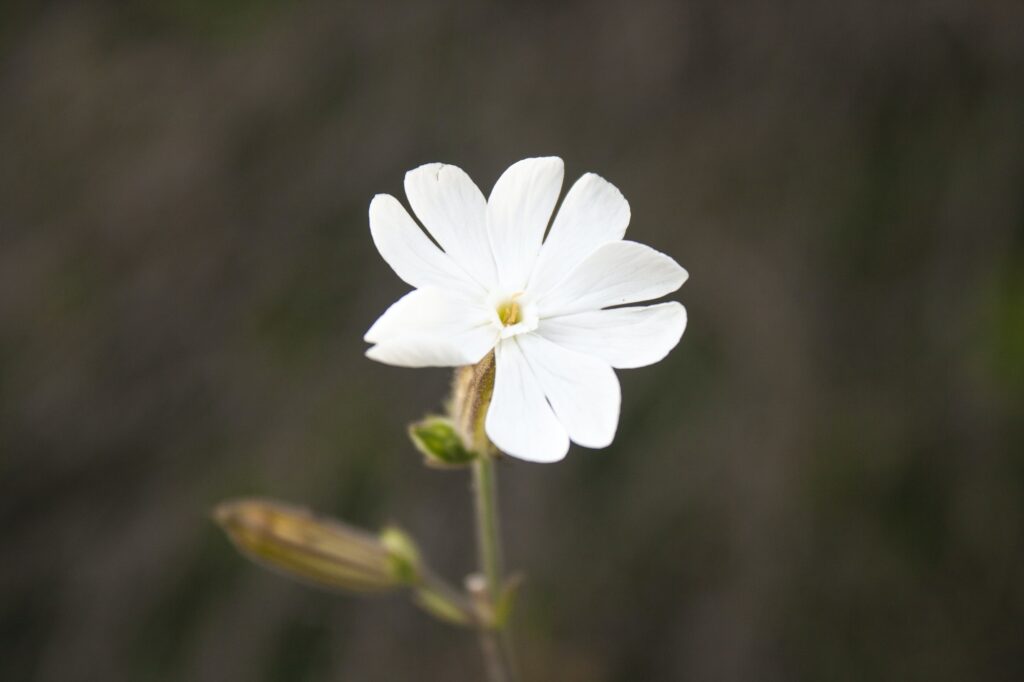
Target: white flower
point(540, 306)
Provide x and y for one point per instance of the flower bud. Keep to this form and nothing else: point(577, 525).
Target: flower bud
point(321, 551)
point(440, 443)
point(472, 388)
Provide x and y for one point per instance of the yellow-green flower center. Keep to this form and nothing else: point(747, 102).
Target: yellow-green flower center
point(509, 313)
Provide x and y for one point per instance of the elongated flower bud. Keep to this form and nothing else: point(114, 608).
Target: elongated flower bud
point(324, 552)
point(472, 389)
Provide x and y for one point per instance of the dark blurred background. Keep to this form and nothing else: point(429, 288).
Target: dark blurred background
point(824, 481)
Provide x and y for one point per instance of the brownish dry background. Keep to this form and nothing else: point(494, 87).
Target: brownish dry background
point(825, 481)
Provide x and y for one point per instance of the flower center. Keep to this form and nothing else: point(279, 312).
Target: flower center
point(513, 314)
point(509, 312)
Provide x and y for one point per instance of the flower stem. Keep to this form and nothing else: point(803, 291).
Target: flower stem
point(496, 644)
point(487, 530)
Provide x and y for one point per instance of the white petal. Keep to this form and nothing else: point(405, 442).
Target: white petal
point(427, 311)
point(518, 212)
point(583, 390)
point(614, 274)
point(519, 420)
point(431, 328)
point(454, 211)
point(423, 350)
point(622, 337)
point(593, 213)
point(410, 253)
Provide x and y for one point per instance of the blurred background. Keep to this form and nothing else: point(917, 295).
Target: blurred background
point(824, 481)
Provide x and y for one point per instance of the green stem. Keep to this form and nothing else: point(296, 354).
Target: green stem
point(487, 530)
point(497, 645)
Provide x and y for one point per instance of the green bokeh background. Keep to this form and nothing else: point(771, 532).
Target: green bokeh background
point(824, 481)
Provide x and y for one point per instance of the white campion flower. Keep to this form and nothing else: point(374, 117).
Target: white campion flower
point(542, 305)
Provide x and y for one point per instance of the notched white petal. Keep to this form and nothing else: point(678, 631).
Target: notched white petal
point(432, 311)
point(623, 337)
point(430, 328)
point(409, 252)
point(615, 274)
point(520, 421)
point(454, 211)
point(593, 213)
point(582, 389)
point(431, 350)
point(518, 211)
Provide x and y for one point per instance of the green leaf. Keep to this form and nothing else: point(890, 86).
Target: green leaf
point(505, 601)
point(441, 607)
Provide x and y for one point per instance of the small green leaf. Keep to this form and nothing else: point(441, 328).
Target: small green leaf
point(440, 443)
point(503, 606)
point(441, 607)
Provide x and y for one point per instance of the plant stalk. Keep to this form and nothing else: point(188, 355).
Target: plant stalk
point(487, 529)
point(496, 644)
